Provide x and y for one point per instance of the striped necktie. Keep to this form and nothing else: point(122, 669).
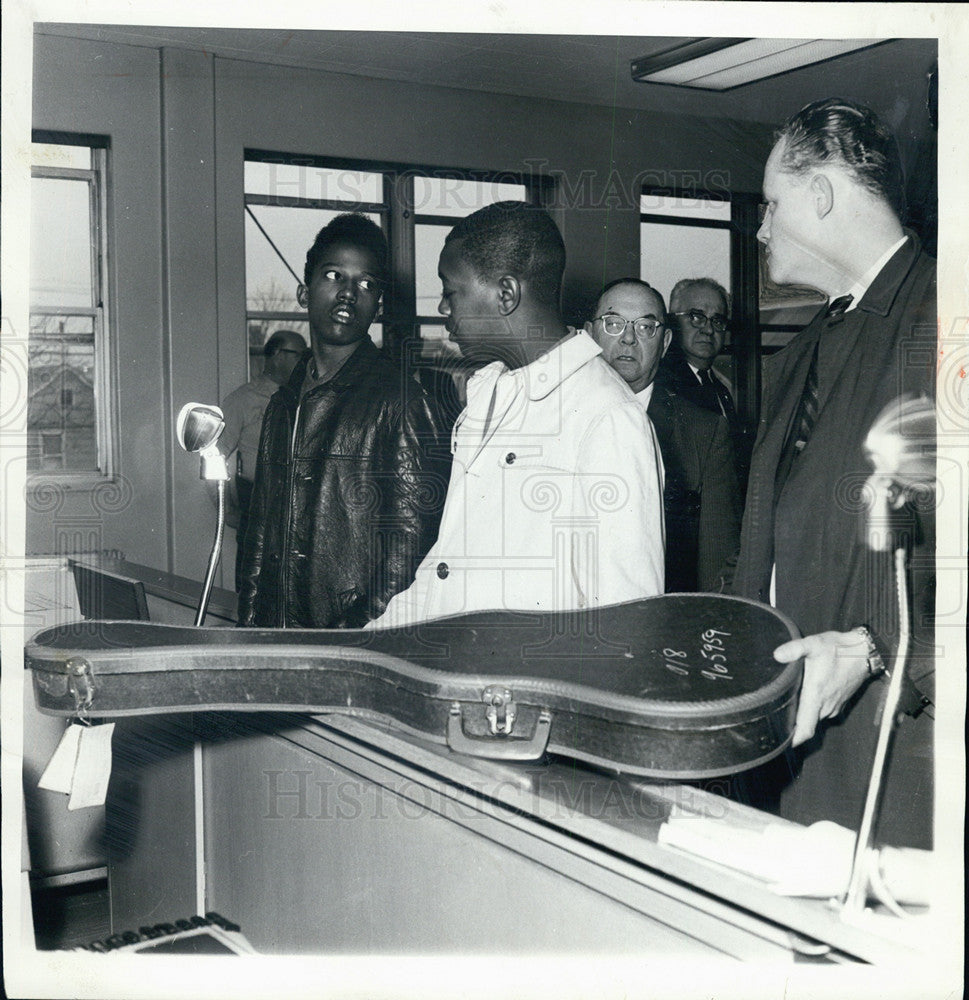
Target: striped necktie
point(807, 408)
point(807, 414)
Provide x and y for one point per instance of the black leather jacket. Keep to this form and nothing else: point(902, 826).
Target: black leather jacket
point(350, 483)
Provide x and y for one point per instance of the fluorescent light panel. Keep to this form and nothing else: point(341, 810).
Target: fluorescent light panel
point(741, 61)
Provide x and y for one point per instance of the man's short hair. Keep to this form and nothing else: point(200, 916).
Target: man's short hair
point(278, 340)
point(851, 135)
point(685, 284)
point(512, 237)
point(349, 228)
point(630, 281)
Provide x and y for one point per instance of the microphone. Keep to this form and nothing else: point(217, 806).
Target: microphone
point(901, 447)
point(197, 428)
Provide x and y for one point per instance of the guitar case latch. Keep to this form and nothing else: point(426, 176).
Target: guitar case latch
point(501, 713)
point(501, 709)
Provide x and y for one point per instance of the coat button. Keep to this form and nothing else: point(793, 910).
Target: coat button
point(510, 458)
point(442, 570)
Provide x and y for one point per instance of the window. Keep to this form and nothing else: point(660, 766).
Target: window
point(67, 419)
point(288, 199)
point(439, 202)
point(686, 237)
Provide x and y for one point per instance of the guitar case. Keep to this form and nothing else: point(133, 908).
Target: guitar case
point(682, 686)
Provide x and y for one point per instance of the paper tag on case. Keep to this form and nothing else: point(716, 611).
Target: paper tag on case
point(93, 769)
point(59, 773)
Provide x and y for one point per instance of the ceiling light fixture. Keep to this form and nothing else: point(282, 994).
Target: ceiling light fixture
point(726, 63)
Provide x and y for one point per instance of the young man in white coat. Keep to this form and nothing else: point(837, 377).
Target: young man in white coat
point(555, 496)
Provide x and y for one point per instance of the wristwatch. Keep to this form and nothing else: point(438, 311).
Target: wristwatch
point(876, 665)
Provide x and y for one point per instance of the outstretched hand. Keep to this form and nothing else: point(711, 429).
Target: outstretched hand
point(835, 666)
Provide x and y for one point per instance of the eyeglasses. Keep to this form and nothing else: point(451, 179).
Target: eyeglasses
point(699, 319)
point(615, 326)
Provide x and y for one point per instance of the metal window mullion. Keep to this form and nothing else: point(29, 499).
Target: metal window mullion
point(680, 220)
point(450, 221)
point(105, 425)
point(274, 314)
point(744, 290)
point(400, 305)
point(64, 173)
point(317, 204)
point(64, 311)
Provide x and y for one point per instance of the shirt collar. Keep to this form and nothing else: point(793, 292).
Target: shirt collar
point(549, 370)
point(644, 396)
point(861, 286)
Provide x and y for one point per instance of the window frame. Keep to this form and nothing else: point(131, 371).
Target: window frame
point(745, 335)
point(399, 221)
point(97, 176)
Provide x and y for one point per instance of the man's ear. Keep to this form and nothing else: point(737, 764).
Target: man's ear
point(823, 194)
point(667, 337)
point(302, 295)
point(588, 327)
point(509, 294)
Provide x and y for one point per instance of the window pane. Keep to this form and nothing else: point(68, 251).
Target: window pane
point(784, 305)
point(428, 244)
point(685, 208)
point(670, 253)
point(269, 285)
point(453, 196)
point(289, 180)
point(435, 343)
point(61, 417)
point(60, 268)
point(48, 154)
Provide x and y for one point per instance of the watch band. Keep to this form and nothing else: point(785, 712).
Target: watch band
point(876, 665)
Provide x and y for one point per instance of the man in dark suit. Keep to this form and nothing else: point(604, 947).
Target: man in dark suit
point(701, 499)
point(699, 319)
point(834, 191)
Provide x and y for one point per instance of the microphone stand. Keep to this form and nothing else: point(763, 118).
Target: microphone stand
point(213, 468)
point(857, 894)
point(198, 428)
point(901, 447)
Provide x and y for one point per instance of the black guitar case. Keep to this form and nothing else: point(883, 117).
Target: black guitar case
point(682, 686)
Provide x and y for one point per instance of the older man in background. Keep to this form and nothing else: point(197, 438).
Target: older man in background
point(699, 317)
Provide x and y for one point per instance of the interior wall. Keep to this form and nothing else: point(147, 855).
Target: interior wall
point(115, 90)
point(179, 123)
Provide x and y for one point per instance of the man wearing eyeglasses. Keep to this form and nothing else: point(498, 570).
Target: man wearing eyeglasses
point(701, 499)
point(698, 316)
point(699, 319)
point(243, 410)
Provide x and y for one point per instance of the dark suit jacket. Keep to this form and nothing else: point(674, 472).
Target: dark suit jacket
point(676, 375)
point(812, 530)
point(700, 497)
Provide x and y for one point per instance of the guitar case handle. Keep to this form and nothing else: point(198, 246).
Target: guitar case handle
point(500, 745)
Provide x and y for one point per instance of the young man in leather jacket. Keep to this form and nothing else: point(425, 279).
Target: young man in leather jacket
point(350, 476)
